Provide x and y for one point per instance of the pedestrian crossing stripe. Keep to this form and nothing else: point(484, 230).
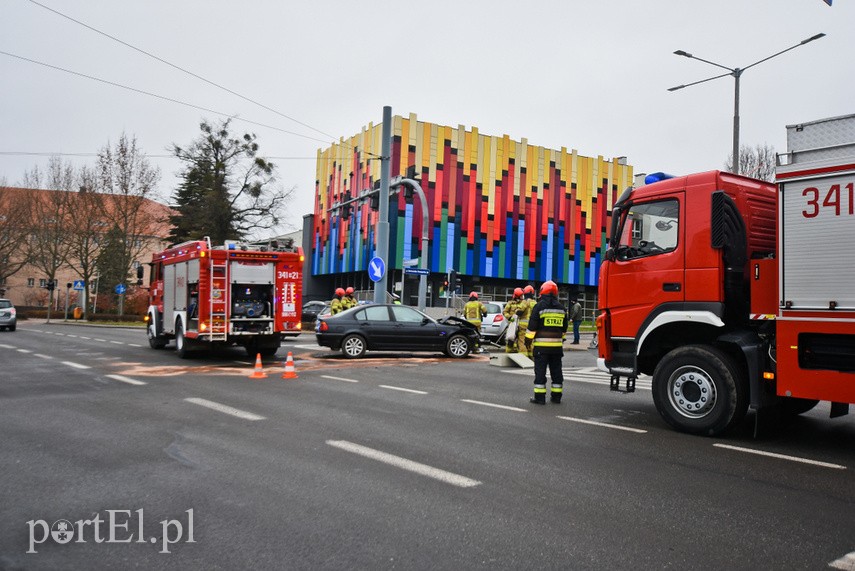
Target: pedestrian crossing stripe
point(587, 375)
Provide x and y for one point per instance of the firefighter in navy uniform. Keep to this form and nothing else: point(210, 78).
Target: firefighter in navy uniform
point(545, 336)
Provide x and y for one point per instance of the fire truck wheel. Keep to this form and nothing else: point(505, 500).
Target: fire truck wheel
point(182, 344)
point(154, 341)
point(353, 346)
point(698, 389)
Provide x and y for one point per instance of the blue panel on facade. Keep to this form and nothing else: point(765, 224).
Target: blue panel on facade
point(408, 232)
point(520, 250)
point(449, 246)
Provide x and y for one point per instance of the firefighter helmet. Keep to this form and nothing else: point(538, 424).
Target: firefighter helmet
point(349, 291)
point(549, 287)
point(473, 294)
point(518, 292)
point(339, 292)
point(528, 289)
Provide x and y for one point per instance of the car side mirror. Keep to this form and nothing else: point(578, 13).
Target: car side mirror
point(610, 255)
point(425, 320)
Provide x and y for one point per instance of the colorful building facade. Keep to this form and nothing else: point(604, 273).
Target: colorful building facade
point(497, 208)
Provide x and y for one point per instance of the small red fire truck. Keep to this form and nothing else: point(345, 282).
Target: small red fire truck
point(733, 292)
point(235, 294)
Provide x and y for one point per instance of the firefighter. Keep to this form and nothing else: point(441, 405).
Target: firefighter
point(511, 311)
point(348, 300)
point(474, 311)
point(526, 306)
point(337, 303)
point(546, 330)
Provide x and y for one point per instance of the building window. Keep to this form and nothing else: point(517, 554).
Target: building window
point(31, 282)
point(42, 282)
point(136, 264)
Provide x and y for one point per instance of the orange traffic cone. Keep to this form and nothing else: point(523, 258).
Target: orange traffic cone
point(258, 373)
point(289, 373)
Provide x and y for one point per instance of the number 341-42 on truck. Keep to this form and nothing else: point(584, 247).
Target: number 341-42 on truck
point(205, 296)
point(735, 293)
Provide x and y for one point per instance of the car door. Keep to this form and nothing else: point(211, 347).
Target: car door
point(413, 331)
point(375, 324)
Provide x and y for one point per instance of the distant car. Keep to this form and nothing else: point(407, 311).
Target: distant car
point(495, 323)
point(311, 309)
point(392, 327)
point(8, 315)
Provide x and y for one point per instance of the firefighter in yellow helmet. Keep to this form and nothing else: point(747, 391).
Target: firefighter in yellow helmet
point(473, 312)
point(337, 305)
point(511, 313)
point(546, 330)
point(348, 300)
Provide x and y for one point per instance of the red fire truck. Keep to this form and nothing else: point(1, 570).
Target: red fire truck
point(235, 294)
point(732, 292)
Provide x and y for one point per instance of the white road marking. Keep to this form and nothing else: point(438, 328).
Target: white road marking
point(504, 407)
point(847, 562)
point(42, 356)
point(4, 346)
point(339, 379)
point(415, 392)
point(101, 340)
point(125, 379)
point(59, 333)
point(781, 456)
point(76, 365)
point(88, 338)
point(405, 464)
point(24, 351)
point(116, 342)
point(308, 346)
point(225, 409)
point(603, 424)
point(70, 335)
point(133, 345)
point(587, 375)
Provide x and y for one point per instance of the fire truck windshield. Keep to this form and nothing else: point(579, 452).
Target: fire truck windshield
point(647, 228)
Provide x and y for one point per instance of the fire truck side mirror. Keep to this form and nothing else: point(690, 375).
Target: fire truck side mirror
point(610, 254)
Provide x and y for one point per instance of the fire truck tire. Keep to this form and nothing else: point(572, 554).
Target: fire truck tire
point(794, 406)
point(698, 389)
point(182, 344)
point(154, 341)
point(353, 346)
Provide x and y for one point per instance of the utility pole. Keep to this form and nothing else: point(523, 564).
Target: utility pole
point(382, 249)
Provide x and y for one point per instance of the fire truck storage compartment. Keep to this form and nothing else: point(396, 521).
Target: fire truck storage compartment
point(818, 258)
point(252, 296)
point(827, 351)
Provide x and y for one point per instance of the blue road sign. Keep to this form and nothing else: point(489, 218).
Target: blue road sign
point(120, 289)
point(376, 269)
point(417, 271)
point(78, 285)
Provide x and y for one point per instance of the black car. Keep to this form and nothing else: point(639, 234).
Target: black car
point(311, 309)
point(381, 327)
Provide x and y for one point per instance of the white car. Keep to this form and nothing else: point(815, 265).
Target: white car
point(494, 324)
point(8, 315)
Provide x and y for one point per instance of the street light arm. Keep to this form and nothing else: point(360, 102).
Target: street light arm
point(697, 82)
point(690, 56)
point(803, 42)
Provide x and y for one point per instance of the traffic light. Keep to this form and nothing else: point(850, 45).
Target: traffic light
point(139, 275)
point(50, 285)
point(452, 279)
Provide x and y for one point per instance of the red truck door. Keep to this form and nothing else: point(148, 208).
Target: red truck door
point(648, 270)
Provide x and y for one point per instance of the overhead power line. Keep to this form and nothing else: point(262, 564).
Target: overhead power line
point(163, 97)
point(179, 68)
point(51, 154)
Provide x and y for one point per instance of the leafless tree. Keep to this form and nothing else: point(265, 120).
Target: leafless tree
point(50, 215)
point(13, 215)
point(757, 162)
point(128, 182)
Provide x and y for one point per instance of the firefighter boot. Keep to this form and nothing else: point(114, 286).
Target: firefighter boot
point(555, 395)
point(539, 395)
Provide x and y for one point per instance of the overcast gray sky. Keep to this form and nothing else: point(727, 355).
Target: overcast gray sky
point(590, 75)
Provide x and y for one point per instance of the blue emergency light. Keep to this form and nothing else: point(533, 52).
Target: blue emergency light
point(656, 177)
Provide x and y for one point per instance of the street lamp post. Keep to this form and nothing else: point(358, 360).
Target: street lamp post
point(736, 72)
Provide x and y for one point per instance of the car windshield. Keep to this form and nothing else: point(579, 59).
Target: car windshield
point(5, 303)
point(493, 308)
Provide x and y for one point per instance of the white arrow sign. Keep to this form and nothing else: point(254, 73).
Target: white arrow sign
point(376, 269)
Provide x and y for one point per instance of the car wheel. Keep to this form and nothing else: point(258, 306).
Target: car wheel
point(353, 346)
point(698, 389)
point(181, 343)
point(13, 327)
point(458, 346)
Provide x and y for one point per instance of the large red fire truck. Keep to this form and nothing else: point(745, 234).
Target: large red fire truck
point(732, 292)
point(235, 294)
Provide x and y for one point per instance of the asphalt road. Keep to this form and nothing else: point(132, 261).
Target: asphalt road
point(409, 462)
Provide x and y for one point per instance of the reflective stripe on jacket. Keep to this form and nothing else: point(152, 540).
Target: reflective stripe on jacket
point(547, 325)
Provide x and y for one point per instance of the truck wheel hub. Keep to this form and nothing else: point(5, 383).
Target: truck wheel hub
point(692, 392)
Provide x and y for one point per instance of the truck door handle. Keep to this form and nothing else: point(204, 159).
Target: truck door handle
point(671, 286)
